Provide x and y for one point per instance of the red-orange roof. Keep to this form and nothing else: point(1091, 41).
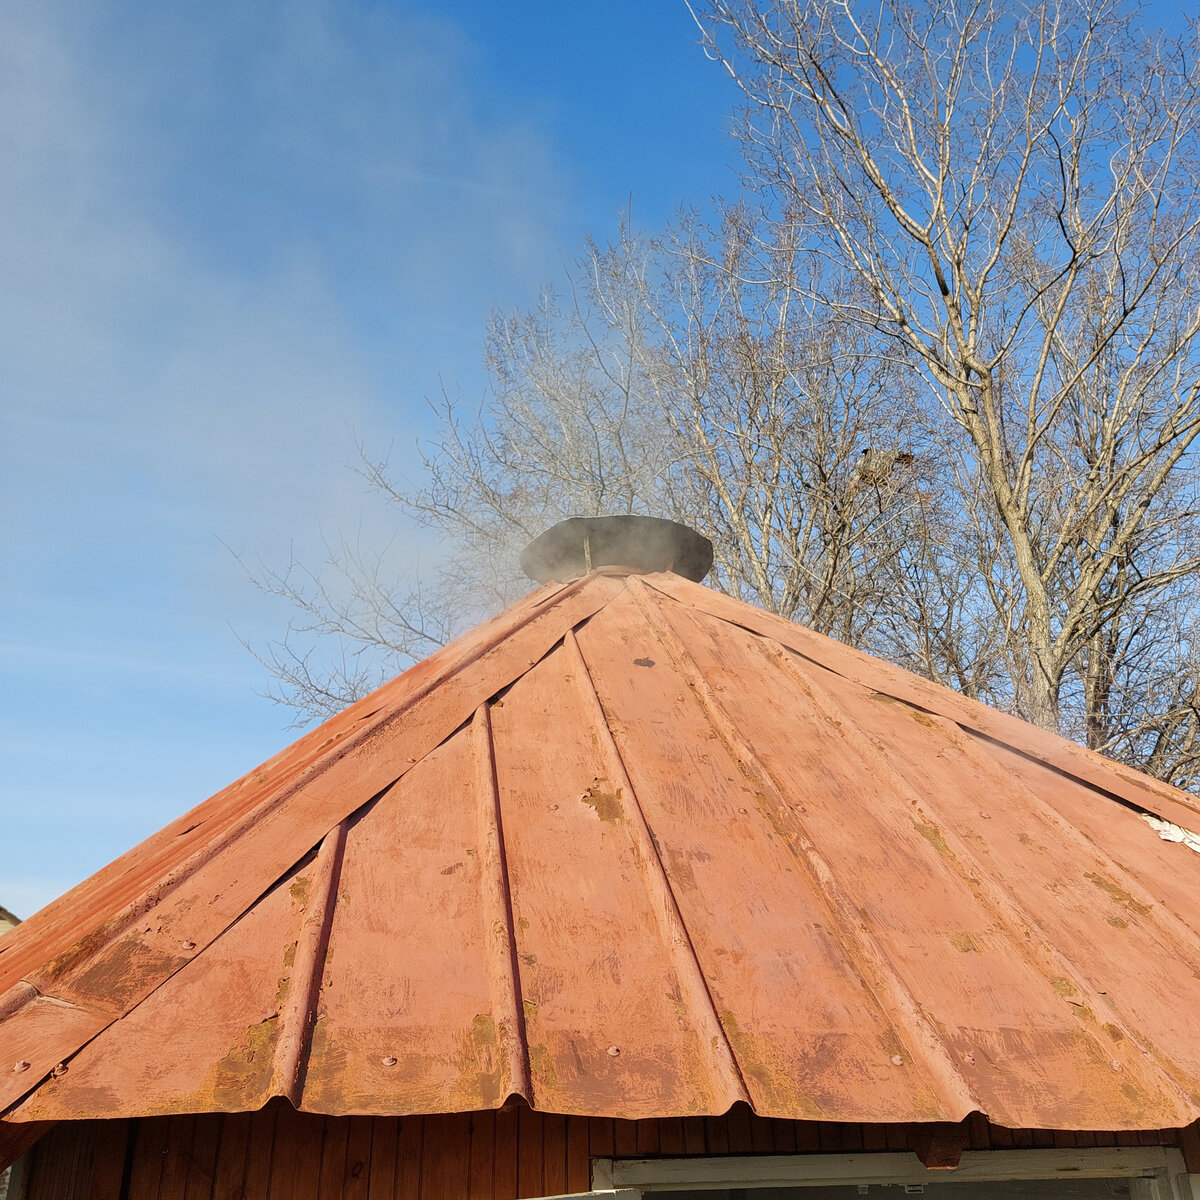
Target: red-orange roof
point(634, 848)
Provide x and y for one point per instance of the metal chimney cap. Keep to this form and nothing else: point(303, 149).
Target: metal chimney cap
point(642, 544)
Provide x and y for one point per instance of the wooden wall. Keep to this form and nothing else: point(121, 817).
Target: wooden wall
point(279, 1154)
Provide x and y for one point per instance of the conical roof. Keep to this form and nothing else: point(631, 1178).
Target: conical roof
point(634, 848)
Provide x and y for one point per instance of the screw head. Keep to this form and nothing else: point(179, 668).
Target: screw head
point(897, 1061)
point(187, 944)
point(613, 1051)
point(388, 1060)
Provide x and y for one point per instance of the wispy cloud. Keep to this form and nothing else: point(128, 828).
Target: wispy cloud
point(229, 236)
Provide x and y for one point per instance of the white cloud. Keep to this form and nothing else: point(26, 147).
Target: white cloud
point(229, 235)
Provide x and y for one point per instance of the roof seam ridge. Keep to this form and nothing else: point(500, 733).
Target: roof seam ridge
point(1183, 934)
point(500, 933)
point(936, 1064)
point(16, 996)
point(298, 1013)
point(1134, 806)
point(150, 896)
point(230, 810)
point(111, 1018)
point(666, 909)
point(1078, 762)
point(1182, 943)
point(101, 938)
point(995, 898)
point(14, 1000)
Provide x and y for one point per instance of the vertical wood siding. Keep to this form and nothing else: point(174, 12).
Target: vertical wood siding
point(280, 1154)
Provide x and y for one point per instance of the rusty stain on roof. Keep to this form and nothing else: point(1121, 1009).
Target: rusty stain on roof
point(636, 849)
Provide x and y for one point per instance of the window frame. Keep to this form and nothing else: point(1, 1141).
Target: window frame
point(1157, 1172)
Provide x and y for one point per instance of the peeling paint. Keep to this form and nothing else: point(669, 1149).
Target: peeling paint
point(487, 1053)
point(932, 835)
point(244, 1073)
point(607, 805)
point(542, 1068)
point(1118, 893)
point(121, 973)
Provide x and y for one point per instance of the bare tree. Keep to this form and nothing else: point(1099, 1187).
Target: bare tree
point(937, 395)
point(776, 413)
point(686, 376)
point(1014, 189)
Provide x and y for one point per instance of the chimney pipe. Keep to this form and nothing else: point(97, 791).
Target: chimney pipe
point(639, 545)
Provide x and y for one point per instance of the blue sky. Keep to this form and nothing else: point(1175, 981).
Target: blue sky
point(233, 238)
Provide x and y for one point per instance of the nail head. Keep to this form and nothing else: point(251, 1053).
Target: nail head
point(21, 1066)
point(388, 1060)
point(613, 1051)
point(897, 1061)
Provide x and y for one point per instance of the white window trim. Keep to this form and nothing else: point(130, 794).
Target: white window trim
point(1158, 1172)
point(603, 1194)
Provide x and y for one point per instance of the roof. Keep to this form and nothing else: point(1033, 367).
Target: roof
point(636, 849)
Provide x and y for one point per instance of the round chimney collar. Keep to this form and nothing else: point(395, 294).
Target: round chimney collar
point(641, 544)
